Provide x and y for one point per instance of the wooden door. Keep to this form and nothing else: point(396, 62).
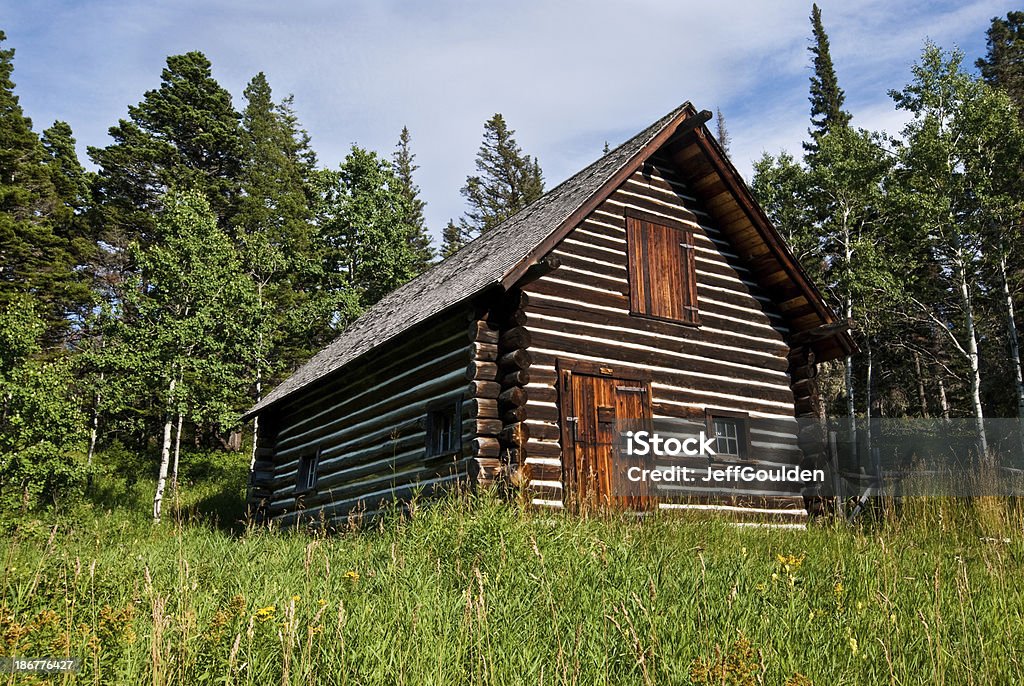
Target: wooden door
point(592, 405)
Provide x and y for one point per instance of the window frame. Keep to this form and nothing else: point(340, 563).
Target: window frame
point(435, 411)
point(307, 472)
point(639, 273)
point(742, 422)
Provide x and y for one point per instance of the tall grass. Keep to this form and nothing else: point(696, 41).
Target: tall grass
point(474, 590)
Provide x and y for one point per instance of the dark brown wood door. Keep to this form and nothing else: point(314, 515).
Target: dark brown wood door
point(595, 404)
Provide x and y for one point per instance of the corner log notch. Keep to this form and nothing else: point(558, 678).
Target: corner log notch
point(498, 371)
point(514, 372)
point(481, 405)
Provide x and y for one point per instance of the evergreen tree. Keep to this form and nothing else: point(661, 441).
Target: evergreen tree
point(184, 134)
point(69, 177)
point(507, 180)
point(72, 222)
point(273, 227)
point(722, 133)
point(1003, 65)
point(403, 162)
point(34, 258)
point(826, 96)
point(452, 239)
point(363, 237)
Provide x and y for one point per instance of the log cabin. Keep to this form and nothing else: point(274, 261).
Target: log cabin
point(648, 285)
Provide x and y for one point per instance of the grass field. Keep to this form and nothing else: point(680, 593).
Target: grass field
point(477, 591)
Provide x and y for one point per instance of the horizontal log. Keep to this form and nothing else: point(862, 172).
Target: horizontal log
point(488, 469)
point(514, 396)
point(486, 446)
point(516, 318)
point(514, 414)
point(520, 377)
point(483, 371)
point(713, 376)
point(485, 427)
point(516, 299)
point(481, 332)
point(516, 359)
point(484, 352)
point(261, 480)
point(393, 410)
point(514, 338)
point(515, 435)
point(352, 390)
point(483, 389)
point(484, 408)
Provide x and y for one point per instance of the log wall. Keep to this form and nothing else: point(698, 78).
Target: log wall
point(737, 359)
point(369, 425)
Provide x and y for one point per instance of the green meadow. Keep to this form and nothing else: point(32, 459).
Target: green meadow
point(480, 590)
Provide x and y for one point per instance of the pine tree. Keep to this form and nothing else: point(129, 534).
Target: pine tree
point(452, 239)
point(826, 96)
point(1003, 64)
point(183, 134)
point(34, 258)
point(274, 231)
point(72, 223)
point(363, 239)
point(722, 134)
point(507, 180)
point(404, 164)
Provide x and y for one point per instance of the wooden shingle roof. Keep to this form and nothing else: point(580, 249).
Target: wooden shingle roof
point(502, 255)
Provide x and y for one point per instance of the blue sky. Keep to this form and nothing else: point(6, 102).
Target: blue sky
point(567, 75)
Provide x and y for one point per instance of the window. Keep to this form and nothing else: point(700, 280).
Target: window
point(662, 280)
point(444, 427)
point(307, 474)
point(730, 431)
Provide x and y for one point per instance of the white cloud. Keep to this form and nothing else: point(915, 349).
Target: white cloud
point(567, 75)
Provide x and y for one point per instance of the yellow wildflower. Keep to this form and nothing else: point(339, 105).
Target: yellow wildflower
point(352, 574)
point(790, 562)
point(296, 598)
point(265, 613)
point(853, 645)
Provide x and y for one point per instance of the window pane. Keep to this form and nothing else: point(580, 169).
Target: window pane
point(727, 436)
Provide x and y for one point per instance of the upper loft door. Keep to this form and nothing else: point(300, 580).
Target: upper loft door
point(596, 403)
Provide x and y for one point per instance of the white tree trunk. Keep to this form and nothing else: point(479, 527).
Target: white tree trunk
point(851, 406)
point(256, 422)
point(177, 453)
point(922, 395)
point(1011, 328)
point(94, 429)
point(165, 458)
point(943, 401)
point(973, 358)
point(868, 396)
